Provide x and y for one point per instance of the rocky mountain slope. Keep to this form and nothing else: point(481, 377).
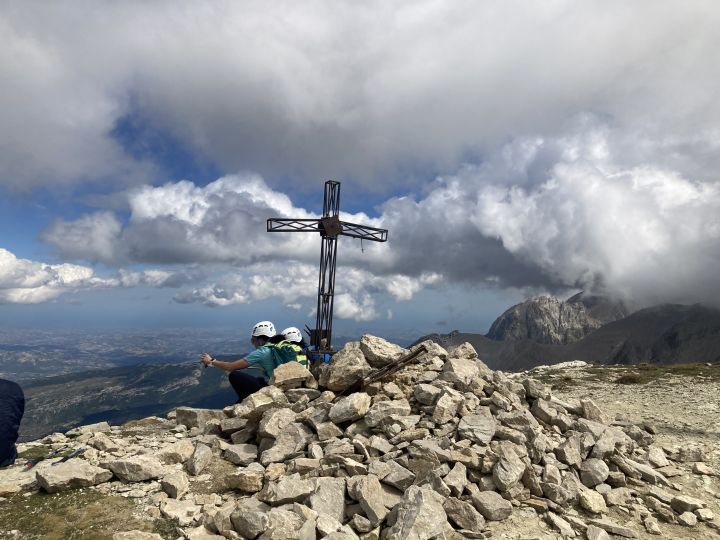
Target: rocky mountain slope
point(119, 394)
point(546, 319)
point(443, 448)
point(665, 334)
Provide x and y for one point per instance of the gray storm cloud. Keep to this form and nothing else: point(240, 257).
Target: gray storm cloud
point(361, 90)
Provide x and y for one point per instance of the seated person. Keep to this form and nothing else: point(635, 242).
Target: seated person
point(249, 374)
point(12, 407)
point(293, 336)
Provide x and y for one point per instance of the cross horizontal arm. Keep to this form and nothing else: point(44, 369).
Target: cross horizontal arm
point(293, 225)
point(364, 232)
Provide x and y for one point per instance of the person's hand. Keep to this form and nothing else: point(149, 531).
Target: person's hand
point(205, 358)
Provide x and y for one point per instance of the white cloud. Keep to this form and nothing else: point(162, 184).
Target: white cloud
point(23, 281)
point(295, 284)
point(547, 213)
point(28, 282)
point(368, 90)
point(559, 213)
point(360, 309)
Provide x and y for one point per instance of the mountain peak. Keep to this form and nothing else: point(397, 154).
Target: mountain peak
point(546, 319)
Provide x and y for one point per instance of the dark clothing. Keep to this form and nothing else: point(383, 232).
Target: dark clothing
point(245, 383)
point(12, 407)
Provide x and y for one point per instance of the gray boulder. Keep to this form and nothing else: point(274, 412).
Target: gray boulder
point(379, 352)
point(74, 473)
point(137, 468)
point(348, 366)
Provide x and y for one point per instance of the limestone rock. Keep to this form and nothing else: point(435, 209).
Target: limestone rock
point(367, 491)
point(614, 528)
point(592, 501)
point(508, 470)
point(491, 505)
point(184, 512)
point(191, 417)
point(478, 427)
point(446, 408)
point(9, 488)
point(685, 503)
point(100, 427)
point(104, 443)
point(463, 514)
point(348, 366)
point(380, 410)
point(328, 497)
point(427, 394)
point(593, 472)
point(241, 454)
point(379, 352)
point(596, 533)
point(175, 484)
point(137, 468)
point(420, 515)
point(274, 421)
point(74, 473)
point(251, 518)
point(178, 452)
point(292, 375)
point(350, 408)
point(464, 350)
point(561, 525)
point(249, 479)
point(201, 458)
point(288, 489)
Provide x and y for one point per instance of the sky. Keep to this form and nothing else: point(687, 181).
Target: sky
point(510, 148)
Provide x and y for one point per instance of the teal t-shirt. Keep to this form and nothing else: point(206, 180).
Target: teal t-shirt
point(262, 357)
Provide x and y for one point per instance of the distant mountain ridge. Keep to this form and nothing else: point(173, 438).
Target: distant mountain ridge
point(546, 319)
point(119, 394)
point(664, 334)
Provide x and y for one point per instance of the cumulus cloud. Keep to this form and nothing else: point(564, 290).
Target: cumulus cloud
point(545, 213)
point(23, 281)
point(356, 291)
point(184, 223)
point(365, 90)
point(562, 213)
point(28, 282)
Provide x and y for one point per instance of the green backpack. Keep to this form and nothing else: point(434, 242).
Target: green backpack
point(283, 353)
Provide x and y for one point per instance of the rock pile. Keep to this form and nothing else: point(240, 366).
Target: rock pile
point(443, 449)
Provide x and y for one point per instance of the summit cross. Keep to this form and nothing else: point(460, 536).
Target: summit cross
point(330, 227)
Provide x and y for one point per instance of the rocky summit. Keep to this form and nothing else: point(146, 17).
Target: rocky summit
point(443, 448)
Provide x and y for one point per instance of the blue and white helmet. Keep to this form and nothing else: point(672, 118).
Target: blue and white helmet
point(264, 328)
point(292, 334)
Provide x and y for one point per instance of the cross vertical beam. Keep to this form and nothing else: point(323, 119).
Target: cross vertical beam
point(328, 256)
point(330, 227)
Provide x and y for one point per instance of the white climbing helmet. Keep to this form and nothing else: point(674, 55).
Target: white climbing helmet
point(264, 328)
point(292, 334)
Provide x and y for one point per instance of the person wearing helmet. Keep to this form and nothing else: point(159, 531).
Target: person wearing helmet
point(247, 381)
point(293, 336)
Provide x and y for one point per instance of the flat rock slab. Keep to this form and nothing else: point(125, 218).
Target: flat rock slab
point(137, 468)
point(74, 473)
point(492, 506)
point(614, 528)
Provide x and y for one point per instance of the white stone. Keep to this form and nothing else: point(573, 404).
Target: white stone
point(350, 408)
point(74, 473)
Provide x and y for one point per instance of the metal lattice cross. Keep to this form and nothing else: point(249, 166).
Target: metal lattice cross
point(330, 227)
